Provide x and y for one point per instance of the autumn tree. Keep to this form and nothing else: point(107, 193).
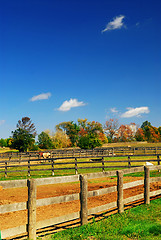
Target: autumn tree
point(139, 136)
point(145, 124)
point(151, 134)
point(111, 128)
point(71, 129)
point(148, 133)
point(91, 134)
point(27, 125)
point(60, 140)
point(124, 133)
point(159, 130)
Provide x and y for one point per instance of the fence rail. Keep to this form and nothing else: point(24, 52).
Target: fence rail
point(76, 164)
point(82, 197)
point(87, 152)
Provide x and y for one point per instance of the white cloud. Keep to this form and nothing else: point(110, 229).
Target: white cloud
point(2, 122)
point(114, 110)
point(67, 105)
point(116, 23)
point(41, 96)
point(135, 112)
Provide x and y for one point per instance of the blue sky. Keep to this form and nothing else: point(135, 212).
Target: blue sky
point(63, 60)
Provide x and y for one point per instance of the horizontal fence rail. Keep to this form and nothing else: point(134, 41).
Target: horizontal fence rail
point(84, 194)
point(128, 150)
point(75, 164)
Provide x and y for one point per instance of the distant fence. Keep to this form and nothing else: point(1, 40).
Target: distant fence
point(76, 164)
point(108, 151)
point(30, 228)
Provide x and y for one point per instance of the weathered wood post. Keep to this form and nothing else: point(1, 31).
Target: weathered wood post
point(145, 150)
point(120, 203)
point(52, 166)
point(28, 168)
point(146, 185)
point(5, 168)
point(134, 151)
point(83, 199)
point(158, 161)
point(76, 167)
point(129, 163)
point(32, 209)
point(103, 165)
point(20, 158)
point(113, 151)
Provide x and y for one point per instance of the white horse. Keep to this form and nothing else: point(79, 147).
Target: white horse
point(148, 164)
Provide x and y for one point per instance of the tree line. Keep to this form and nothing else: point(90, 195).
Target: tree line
point(83, 133)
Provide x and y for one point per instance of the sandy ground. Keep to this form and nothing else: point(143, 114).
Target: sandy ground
point(8, 196)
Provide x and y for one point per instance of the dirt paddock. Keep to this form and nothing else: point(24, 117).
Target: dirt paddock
point(9, 196)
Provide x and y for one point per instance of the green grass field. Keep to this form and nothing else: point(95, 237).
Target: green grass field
point(48, 173)
point(142, 223)
point(62, 164)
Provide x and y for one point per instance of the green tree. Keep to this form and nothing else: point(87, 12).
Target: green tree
point(145, 124)
point(22, 140)
point(71, 129)
point(44, 141)
point(3, 142)
point(91, 134)
point(89, 141)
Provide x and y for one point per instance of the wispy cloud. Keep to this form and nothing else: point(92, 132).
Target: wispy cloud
point(135, 112)
point(67, 105)
point(41, 96)
point(114, 110)
point(116, 23)
point(2, 122)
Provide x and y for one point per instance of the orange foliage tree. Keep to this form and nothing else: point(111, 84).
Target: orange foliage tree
point(124, 133)
point(111, 128)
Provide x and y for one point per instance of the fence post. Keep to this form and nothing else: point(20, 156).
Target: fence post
point(32, 209)
point(83, 199)
point(146, 185)
point(158, 161)
point(29, 167)
point(52, 165)
point(129, 163)
point(76, 168)
point(20, 158)
point(103, 165)
point(5, 168)
point(120, 203)
point(112, 151)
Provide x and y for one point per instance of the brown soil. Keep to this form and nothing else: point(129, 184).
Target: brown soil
point(8, 196)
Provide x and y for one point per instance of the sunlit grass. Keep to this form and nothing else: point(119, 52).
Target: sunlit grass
point(90, 166)
point(142, 222)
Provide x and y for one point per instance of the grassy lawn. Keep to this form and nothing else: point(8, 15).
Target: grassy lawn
point(142, 222)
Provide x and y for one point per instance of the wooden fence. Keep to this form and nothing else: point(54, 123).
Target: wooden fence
point(76, 152)
point(76, 164)
point(32, 226)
